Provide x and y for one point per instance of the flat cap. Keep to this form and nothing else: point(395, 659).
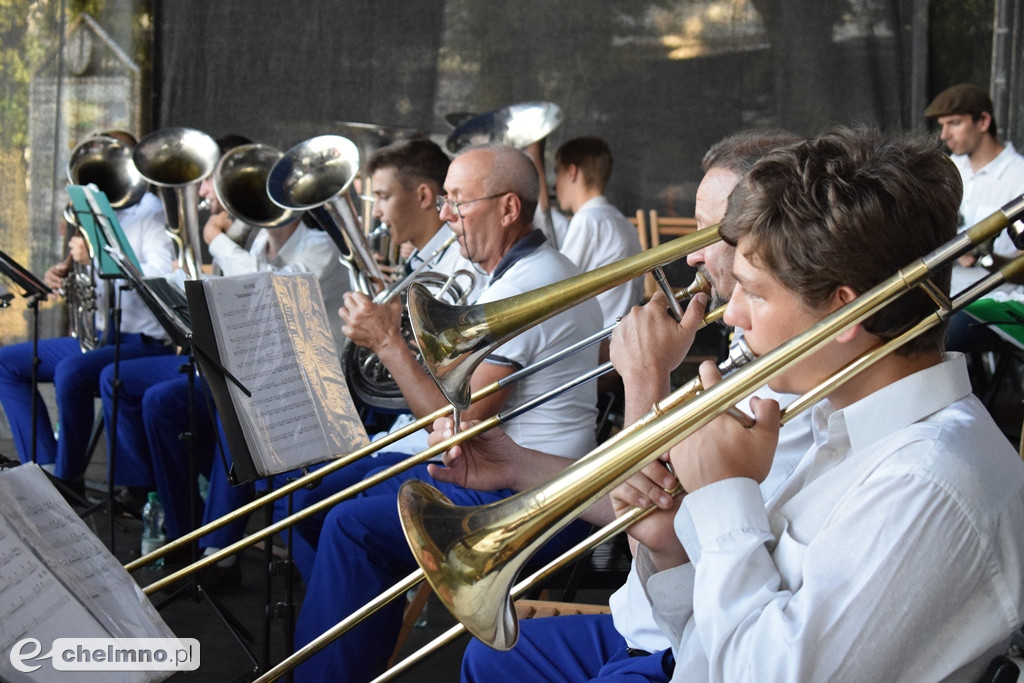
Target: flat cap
point(964, 98)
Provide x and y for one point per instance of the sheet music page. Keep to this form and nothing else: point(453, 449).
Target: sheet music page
point(58, 580)
point(278, 351)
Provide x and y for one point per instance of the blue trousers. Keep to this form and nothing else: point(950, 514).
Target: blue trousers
point(137, 375)
point(166, 416)
point(303, 537)
point(362, 552)
point(75, 376)
point(583, 647)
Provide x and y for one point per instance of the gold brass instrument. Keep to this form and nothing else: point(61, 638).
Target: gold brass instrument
point(105, 162)
point(454, 340)
point(980, 288)
point(471, 556)
point(240, 183)
point(315, 176)
point(666, 253)
point(176, 160)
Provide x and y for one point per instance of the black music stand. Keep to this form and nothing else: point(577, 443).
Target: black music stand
point(169, 306)
point(34, 290)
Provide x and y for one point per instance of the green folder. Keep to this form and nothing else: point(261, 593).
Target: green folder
point(99, 223)
point(1008, 316)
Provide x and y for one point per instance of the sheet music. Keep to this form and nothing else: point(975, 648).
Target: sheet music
point(58, 580)
point(274, 338)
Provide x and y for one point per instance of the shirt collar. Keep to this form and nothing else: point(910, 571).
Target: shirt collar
point(287, 253)
point(521, 249)
point(432, 245)
point(595, 202)
point(998, 166)
point(897, 405)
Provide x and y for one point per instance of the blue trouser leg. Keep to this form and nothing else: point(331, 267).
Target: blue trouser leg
point(167, 416)
point(223, 498)
point(562, 649)
point(76, 381)
point(137, 375)
point(362, 551)
point(17, 398)
point(306, 533)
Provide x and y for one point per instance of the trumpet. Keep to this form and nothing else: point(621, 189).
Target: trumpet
point(471, 556)
point(176, 160)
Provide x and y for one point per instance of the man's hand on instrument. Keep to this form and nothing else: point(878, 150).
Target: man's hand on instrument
point(724, 448)
point(79, 250)
point(54, 276)
point(217, 224)
point(649, 342)
point(487, 462)
point(372, 326)
point(656, 530)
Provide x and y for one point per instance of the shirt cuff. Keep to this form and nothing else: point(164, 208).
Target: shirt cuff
point(721, 509)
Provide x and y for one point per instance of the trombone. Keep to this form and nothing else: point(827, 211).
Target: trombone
point(471, 556)
point(482, 589)
point(577, 289)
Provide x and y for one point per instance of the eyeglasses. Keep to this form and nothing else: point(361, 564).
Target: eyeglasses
point(455, 206)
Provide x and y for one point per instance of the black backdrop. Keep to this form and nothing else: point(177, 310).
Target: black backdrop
point(660, 80)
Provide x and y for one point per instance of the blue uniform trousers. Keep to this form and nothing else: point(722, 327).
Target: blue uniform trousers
point(75, 376)
point(166, 416)
point(362, 552)
point(566, 649)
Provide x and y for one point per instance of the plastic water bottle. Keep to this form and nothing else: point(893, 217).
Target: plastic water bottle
point(152, 526)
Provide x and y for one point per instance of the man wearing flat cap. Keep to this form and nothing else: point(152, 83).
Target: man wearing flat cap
point(992, 171)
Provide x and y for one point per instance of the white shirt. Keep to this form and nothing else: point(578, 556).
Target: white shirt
point(631, 611)
point(143, 224)
point(565, 424)
point(306, 251)
point(599, 234)
point(893, 553)
point(989, 188)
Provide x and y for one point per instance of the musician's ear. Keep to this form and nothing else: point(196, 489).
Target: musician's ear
point(426, 197)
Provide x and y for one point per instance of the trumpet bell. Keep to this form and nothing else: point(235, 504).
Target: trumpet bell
point(240, 182)
point(175, 157)
point(518, 125)
point(107, 163)
point(313, 172)
point(464, 559)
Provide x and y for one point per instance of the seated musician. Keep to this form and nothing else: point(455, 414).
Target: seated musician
point(153, 401)
point(75, 375)
point(407, 178)
point(893, 550)
point(492, 193)
point(495, 461)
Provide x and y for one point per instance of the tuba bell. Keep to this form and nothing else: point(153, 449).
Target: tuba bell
point(106, 162)
point(176, 160)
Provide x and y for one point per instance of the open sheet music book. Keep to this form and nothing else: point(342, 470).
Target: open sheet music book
point(58, 580)
point(270, 331)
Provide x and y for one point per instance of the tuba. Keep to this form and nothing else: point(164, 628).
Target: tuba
point(176, 160)
point(240, 183)
point(105, 162)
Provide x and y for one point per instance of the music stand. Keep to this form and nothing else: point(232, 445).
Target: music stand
point(34, 290)
point(99, 223)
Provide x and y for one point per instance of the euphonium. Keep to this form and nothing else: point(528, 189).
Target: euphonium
point(105, 162)
point(315, 176)
point(176, 160)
